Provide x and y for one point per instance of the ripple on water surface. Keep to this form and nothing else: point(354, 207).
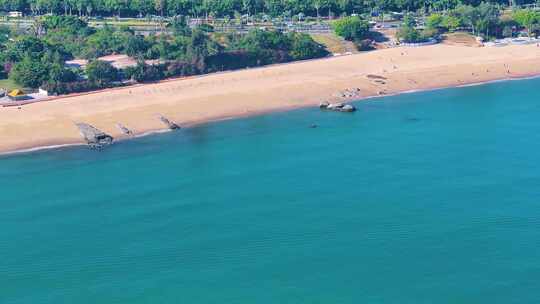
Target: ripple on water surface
point(428, 197)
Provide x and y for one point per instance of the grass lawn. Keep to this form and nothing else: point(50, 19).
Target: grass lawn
point(8, 84)
point(333, 43)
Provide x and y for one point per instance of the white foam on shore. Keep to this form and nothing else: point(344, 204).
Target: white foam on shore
point(144, 134)
point(40, 148)
point(53, 147)
point(472, 84)
point(498, 80)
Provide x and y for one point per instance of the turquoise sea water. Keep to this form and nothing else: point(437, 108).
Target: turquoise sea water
point(430, 197)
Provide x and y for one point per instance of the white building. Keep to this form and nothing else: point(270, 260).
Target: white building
point(15, 14)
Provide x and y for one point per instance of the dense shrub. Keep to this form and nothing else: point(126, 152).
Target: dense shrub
point(180, 68)
point(61, 88)
point(528, 19)
point(101, 73)
point(351, 28)
point(144, 72)
point(408, 32)
point(39, 58)
point(30, 72)
point(364, 44)
point(304, 47)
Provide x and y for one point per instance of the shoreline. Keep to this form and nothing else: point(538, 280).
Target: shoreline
point(223, 96)
point(123, 138)
point(196, 124)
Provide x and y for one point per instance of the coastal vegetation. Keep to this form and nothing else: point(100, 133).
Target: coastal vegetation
point(351, 28)
point(228, 8)
point(37, 59)
point(486, 20)
point(528, 19)
point(64, 30)
point(408, 32)
point(354, 29)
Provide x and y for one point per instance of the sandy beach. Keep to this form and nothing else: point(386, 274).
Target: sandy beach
point(254, 91)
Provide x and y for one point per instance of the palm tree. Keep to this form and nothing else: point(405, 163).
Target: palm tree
point(37, 28)
point(160, 6)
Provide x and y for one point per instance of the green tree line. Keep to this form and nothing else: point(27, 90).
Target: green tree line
point(221, 8)
point(485, 20)
point(37, 59)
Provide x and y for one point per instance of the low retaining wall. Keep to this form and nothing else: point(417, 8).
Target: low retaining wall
point(513, 41)
point(430, 42)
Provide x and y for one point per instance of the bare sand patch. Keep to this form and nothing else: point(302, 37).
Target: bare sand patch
point(252, 91)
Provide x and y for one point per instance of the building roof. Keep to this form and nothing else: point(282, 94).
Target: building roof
point(120, 61)
point(77, 63)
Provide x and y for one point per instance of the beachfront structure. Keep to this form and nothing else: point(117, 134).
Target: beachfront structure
point(43, 92)
point(15, 14)
point(17, 95)
point(119, 61)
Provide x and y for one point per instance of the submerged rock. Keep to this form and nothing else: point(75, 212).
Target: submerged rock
point(335, 106)
point(324, 105)
point(347, 108)
point(338, 107)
